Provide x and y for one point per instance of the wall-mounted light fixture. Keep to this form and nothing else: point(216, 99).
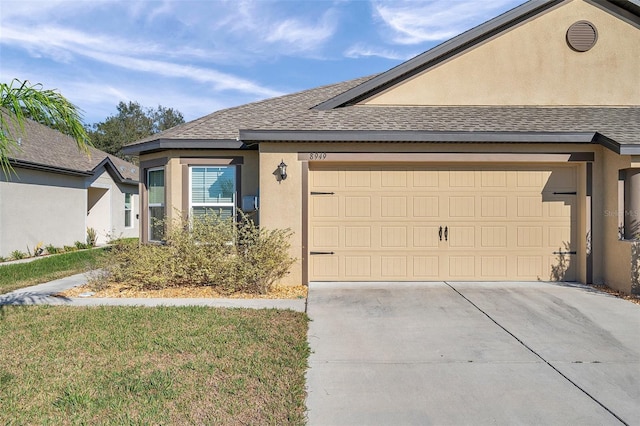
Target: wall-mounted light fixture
point(282, 169)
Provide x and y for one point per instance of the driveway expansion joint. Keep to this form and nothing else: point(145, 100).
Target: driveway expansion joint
point(530, 349)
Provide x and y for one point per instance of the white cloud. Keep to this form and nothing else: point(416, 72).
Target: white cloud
point(65, 45)
point(102, 100)
point(274, 27)
point(301, 35)
point(413, 22)
point(219, 81)
point(360, 51)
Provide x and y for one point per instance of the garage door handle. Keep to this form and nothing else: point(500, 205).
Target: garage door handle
point(440, 233)
point(565, 252)
point(321, 252)
point(446, 233)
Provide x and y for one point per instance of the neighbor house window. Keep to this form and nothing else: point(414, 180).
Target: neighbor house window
point(629, 204)
point(212, 190)
point(127, 210)
point(155, 187)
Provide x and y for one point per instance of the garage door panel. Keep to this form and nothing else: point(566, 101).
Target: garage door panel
point(426, 207)
point(326, 179)
point(357, 237)
point(461, 267)
point(357, 207)
point(462, 236)
point(357, 178)
point(325, 267)
point(493, 236)
point(394, 178)
point(462, 179)
point(393, 266)
point(559, 237)
point(530, 236)
point(494, 179)
point(462, 206)
point(529, 266)
point(358, 267)
point(492, 207)
point(425, 237)
point(426, 179)
point(323, 207)
point(529, 207)
point(383, 223)
point(426, 267)
point(395, 207)
point(493, 267)
point(556, 209)
point(326, 236)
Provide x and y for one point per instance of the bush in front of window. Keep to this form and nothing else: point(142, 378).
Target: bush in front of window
point(207, 251)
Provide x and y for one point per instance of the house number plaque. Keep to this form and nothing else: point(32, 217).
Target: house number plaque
point(317, 156)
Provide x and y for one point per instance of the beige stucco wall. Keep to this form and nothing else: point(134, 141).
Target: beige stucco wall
point(281, 201)
point(616, 254)
point(42, 207)
point(532, 65)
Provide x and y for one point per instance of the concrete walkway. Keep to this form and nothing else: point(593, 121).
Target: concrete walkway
point(471, 354)
point(46, 294)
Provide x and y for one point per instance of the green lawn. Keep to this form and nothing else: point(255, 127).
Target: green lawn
point(48, 268)
point(163, 365)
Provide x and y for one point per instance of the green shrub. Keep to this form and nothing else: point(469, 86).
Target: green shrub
point(208, 251)
point(80, 245)
point(67, 249)
point(17, 255)
point(51, 249)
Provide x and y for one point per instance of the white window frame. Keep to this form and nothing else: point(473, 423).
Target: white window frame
point(232, 203)
point(128, 210)
point(150, 204)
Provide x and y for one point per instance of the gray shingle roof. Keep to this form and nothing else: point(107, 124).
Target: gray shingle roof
point(619, 124)
point(296, 113)
point(43, 146)
point(224, 124)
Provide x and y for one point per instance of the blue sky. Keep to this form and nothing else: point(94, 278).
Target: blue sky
point(202, 56)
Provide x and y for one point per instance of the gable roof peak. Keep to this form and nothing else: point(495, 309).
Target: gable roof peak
point(628, 10)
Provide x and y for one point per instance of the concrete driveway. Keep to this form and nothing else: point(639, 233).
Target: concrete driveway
point(471, 354)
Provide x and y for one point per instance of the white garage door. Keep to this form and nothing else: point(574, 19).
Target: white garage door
point(425, 223)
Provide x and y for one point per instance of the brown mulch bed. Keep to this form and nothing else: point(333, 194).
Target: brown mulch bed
point(124, 291)
point(633, 298)
point(279, 292)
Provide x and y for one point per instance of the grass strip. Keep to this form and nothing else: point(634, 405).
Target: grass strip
point(20, 275)
point(164, 365)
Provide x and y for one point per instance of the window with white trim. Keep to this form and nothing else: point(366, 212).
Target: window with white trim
point(212, 189)
point(128, 209)
point(155, 188)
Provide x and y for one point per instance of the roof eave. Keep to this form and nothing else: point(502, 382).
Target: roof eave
point(48, 168)
point(413, 136)
point(164, 144)
point(623, 9)
point(112, 169)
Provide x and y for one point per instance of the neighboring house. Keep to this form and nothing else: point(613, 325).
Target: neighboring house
point(58, 191)
point(510, 152)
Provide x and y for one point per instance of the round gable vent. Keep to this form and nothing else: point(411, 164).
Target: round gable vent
point(582, 36)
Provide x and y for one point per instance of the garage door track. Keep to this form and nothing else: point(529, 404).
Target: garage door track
point(471, 353)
